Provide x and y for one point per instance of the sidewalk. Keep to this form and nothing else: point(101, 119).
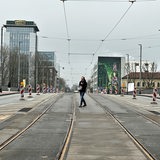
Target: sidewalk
point(3, 93)
point(149, 95)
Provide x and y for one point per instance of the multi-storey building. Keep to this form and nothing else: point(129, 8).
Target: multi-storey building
point(47, 68)
point(21, 39)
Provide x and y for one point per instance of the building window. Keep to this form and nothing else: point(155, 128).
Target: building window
point(138, 84)
point(158, 84)
point(143, 84)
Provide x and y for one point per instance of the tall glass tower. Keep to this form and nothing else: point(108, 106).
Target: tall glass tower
point(21, 39)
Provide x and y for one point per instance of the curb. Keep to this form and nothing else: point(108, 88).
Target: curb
point(4, 94)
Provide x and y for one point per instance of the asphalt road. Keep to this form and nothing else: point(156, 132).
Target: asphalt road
point(96, 135)
point(44, 138)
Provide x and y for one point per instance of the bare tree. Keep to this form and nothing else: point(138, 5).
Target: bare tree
point(149, 70)
point(13, 67)
point(5, 65)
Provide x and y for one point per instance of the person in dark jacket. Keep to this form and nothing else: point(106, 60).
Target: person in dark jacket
point(82, 90)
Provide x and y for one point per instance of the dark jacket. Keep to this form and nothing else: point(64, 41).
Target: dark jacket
point(83, 85)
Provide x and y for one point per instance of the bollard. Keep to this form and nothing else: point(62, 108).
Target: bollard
point(38, 89)
point(134, 93)
point(22, 92)
point(30, 90)
point(154, 96)
point(44, 88)
point(48, 89)
point(122, 92)
point(116, 91)
point(51, 89)
point(110, 90)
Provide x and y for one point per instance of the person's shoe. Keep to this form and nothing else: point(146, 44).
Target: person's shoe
point(84, 105)
point(80, 106)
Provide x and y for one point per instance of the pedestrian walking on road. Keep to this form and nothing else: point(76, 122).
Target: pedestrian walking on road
point(82, 91)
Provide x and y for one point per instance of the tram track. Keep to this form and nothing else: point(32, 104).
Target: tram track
point(61, 153)
point(19, 133)
point(138, 112)
point(63, 150)
point(132, 137)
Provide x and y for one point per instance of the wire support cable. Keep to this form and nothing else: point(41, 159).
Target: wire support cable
point(67, 31)
point(114, 27)
point(81, 54)
point(99, 0)
point(117, 22)
point(65, 16)
point(112, 0)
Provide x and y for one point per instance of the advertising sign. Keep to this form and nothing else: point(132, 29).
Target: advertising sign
point(109, 73)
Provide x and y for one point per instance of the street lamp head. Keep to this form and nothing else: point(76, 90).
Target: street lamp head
point(132, 1)
point(140, 44)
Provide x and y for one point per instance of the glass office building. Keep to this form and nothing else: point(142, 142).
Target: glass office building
point(21, 39)
point(47, 68)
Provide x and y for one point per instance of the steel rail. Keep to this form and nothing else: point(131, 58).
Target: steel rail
point(131, 136)
point(62, 153)
point(15, 136)
point(139, 113)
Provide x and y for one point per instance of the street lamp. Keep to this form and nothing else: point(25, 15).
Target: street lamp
point(19, 59)
point(140, 65)
point(29, 68)
point(1, 71)
point(127, 70)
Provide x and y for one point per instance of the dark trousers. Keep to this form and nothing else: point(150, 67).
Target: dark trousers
point(82, 98)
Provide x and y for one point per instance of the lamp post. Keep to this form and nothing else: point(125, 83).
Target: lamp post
point(36, 81)
point(136, 64)
point(29, 68)
point(140, 65)
point(19, 65)
point(127, 70)
point(1, 71)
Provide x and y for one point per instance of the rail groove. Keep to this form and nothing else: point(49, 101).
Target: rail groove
point(141, 147)
point(15, 136)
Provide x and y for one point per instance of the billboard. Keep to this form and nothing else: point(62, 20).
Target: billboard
point(109, 74)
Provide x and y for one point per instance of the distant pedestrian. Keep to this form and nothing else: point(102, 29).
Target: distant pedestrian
point(9, 86)
point(82, 90)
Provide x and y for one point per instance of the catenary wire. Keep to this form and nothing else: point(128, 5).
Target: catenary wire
point(106, 37)
point(101, 43)
point(67, 31)
point(111, 0)
point(114, 27)
point(147, 36)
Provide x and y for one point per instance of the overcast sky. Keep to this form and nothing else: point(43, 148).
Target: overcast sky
point(94, 27)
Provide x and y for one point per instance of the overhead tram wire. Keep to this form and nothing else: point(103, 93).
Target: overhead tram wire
point(117, 22)
point(102, 41)
point(148, 36)
point(107, 35)
point(100, 0)
point(79, 54)
point(68, 37)
point(111, 0)
point(67, 31)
